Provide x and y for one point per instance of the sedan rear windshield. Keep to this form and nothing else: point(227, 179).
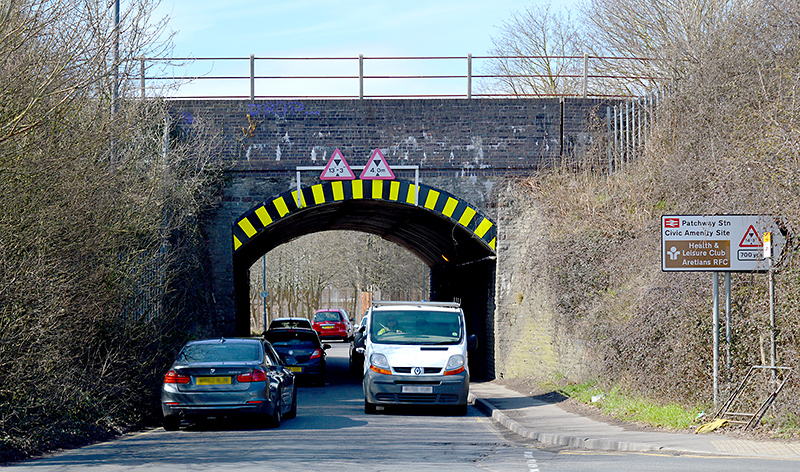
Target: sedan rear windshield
point(290, 324)
point(415, 327)
point(327, 316)
point(292, 338)
point(238, 352)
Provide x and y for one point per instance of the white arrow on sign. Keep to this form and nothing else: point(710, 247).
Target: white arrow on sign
point(377, 168)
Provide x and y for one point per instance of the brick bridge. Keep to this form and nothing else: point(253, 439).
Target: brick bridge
point(460, 147)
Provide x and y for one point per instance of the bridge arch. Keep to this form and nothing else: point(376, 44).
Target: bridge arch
point(456, 240)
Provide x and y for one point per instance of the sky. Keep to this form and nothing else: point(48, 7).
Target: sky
point(333, 28)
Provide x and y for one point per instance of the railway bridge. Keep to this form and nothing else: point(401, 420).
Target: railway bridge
point(445, 156)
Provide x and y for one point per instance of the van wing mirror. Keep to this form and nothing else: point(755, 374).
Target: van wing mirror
point(472, 342)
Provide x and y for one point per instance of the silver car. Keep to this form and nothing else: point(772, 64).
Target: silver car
point(224, 377)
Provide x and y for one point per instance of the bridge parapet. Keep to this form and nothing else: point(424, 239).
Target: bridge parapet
point(453, 137)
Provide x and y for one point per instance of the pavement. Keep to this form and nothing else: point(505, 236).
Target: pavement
point(550, 424)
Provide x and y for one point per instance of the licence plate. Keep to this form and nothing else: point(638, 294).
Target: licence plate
point(416, 389)
point(328, 327)
point(213, 380)
point(296, 369)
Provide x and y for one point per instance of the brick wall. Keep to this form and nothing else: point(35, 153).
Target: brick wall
point(454, 137)
point(462, 146)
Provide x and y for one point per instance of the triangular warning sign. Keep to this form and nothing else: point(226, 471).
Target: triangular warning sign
point(337, 168)
point(377, 168)
point(751, 238)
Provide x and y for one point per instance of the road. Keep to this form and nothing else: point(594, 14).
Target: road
point(331, 432)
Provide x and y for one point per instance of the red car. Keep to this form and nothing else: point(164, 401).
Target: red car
point(332, 323)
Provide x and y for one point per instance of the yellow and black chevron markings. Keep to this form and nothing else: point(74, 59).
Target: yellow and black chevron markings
point(400, 191)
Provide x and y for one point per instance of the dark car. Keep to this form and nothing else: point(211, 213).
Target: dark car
point(290, 322)
point(357, 349)
point(301, 351)
point(225, 377)
point(332, 323)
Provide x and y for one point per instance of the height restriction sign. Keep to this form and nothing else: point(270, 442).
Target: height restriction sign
point(718, 242)
point(377, 168)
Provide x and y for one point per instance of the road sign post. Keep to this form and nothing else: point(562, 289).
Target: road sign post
point(715, 335)
point(264, 287)
point(722, 243)
point(768, 256)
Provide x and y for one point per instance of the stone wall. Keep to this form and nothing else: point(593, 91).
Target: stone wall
point(528, 342)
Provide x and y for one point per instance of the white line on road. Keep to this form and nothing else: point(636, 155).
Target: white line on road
point(532, 465)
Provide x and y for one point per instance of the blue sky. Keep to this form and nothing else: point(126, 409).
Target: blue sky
point(331, 28)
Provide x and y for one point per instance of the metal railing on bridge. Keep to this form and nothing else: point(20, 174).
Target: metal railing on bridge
point(629, 117)
point(389, 77)
point(628, 126)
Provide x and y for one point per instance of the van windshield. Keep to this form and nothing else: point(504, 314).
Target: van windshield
point(415, 327)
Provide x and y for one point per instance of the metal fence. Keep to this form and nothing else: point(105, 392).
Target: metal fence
point(346, 77)
point(628, 128)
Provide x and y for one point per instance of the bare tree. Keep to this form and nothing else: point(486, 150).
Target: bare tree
point(77, 43)
point(98, 277)
point(671, 37)
point(537, 51)
point(350, 261)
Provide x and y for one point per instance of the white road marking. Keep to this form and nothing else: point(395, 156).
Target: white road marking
point(532, 465)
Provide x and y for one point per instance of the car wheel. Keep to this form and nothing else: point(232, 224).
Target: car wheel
point(172, 422)
point(275, 419)
point(370, 408)
point(292, 413)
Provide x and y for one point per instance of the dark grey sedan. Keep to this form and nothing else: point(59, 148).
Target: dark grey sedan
point(224, 377)
point(301, 351)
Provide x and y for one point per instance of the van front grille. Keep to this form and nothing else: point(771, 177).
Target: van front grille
point(417, 398)
point(425, 370)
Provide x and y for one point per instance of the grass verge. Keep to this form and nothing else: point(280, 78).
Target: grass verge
point(625, 407)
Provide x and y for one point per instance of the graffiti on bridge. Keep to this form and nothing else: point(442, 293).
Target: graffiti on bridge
point(280, 109)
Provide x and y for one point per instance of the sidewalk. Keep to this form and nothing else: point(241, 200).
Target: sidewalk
point(549, 424)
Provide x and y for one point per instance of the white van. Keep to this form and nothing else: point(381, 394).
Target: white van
point(416, 354)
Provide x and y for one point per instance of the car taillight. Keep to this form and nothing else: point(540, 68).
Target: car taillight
point(317, 353)
point(257, 375)
point(173, 377)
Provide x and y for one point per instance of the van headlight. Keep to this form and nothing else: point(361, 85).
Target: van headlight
point(455, 365)
point(379, 364)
